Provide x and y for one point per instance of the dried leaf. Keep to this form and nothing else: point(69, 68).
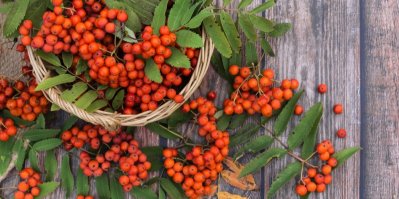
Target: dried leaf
point(232, 177)
point(227, 195)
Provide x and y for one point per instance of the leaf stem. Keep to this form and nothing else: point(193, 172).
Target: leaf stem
point(300, 159)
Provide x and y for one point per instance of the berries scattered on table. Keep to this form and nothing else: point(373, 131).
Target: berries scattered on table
point(28, 186)
point(322, 88)
point(338, 109)
point(341, 133)
point(298, 110)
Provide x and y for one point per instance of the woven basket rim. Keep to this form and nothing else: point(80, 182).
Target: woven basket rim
point(114, 120)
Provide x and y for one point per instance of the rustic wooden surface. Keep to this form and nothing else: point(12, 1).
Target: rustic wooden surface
point(353, 47)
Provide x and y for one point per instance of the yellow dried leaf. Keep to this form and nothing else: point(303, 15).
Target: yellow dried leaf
point(231, 177)
point(214, 189)
point(227, 195)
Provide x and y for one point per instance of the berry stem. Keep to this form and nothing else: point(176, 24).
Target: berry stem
point(300, 159)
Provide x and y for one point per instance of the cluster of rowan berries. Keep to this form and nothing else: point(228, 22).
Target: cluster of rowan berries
point(22, 100)
point(84, 197)
point(202, 164)
point(255, 93)
point(317, 180)
point(7, 129)
point(28, 187)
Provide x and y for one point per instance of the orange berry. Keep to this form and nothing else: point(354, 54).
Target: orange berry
point(319, 178)
point(269, 73)
point(325, 156)
point(245, 72)
point(341, 133)
point(301, 190)
point(312, 172)
point(327, 179)
point(326, 169)
point(311, 187)
point(332, 162)
point(168, 163)
point(338, 109)
point(321, 188)
point(234, 70)
point(294, 84)
point(23, 186)
point(298, 110)
point(322, 88)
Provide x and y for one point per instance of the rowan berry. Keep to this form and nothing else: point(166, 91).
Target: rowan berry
point(298, 110)
point(321, 188)
point(301, 190)
point(338, 109)
point(341, 133)
point(312, 172)
point(332, 162)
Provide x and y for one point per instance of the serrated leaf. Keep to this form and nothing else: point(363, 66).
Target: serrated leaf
point(262, 160)
point(179, 117)
point(46, 145)
point(223, 122)
point(82, 183)
point(231, 31)
point(102, 186)
point(217, 65)
point(50, 165)
point(69, 123)
point(267, 47)
point(55, 81)
point(49, 57)
point(197, 20)
point(163, 131)
point(159, 16)
point(170, 188)
point(67, 181)
point(36, 10)
point(116, 189)
point(345, 154)
point(262, 23)
point(144, 9)
point(178, 59)
point(47, 188)
point(133, 21)
point(143, 193)
point(154, 155)
point(251, 56)
point(302, 130)
point(247, 27)
point(40, 122)
point(34, 162)
point(238, 121)
point(262, 7)
point(186, 38)
point(189, 13)
point(226, 2)
point(67, 59)
point(15, 16)
point(118, 100)
point(176, 12)
point(19, 163)
point(6, 7)
point(81, 67)
point(218, 37)
point(97, 105)
point(284, 117)
point(283, 177)
point(280, 29)
point(152, 71)
point(310, 142)
point(40, 134)
point(244, 134)
point(5, 154)
point(76, 91)
point(110, 93)
point(256, 145)
point(244, 3)
point(86, 99)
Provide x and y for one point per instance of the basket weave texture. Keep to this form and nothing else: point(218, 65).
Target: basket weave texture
point(115, 120)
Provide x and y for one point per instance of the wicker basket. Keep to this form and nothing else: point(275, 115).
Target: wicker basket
point(115, 120)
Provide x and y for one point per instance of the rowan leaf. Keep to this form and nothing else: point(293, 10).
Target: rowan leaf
point(226, 2)
point(50, 165)
point(34, 162)
point(67, 59)
point(284, 177)
point(251, 56)
point(67, 181)
point(302, 130)
point(19, 163)
point(179, 117)
point(186, 38)
point(223, 122)
point(49, 58)
point(285, 116)
point(262, 23)
point(47, 144)
point(55, 81)
point(34, 135)
point(178, 59)
point(345, 154)
point(102, 186)
point(97, 105)
point(197, 20)
point(309, 143)
point(40, 122)
point(267, 47)
point(81, 67)
point(176, 13)
point(82, 183)
point(159, 18)
point(264, 6)
point(244, 3)
point(247, 27)
point(231, 31)
point(256, 145)
point(163, 131)
point(133, 22)
point(46, 189)
point(86, 99)
point(6, 7)
point(261, 160)
point(170, 188)
point(218, 37)
point(280, 29)
point(244, 134)
point(189, 13)
point(69, 123)
point(118, 100)
point(76, 91)
point(143, 193)
point(116, 189)
point(14, 17)
point(154, 155)
point(5, 154)
point(144, 9)
point(152, 71)
point(36, 10)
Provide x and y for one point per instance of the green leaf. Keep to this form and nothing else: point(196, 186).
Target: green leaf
point(231, 31)
point(238, 121)
point(40, 122)
point(283, 177)
point(39, 134)
point(218, 37)
point(50, 165)
point(178, 59)
point(176, 12)
point(186, 38)
point(47, 188)
point(152, 71)
point(97, 105)
point(67, 59)
point(81, 67)
point(143, 193)
point(144, 9)
point(67, 181)
point(133, 21)
point(244, 134)
point(116, 189)
point(18, 121)
point(118, 100)
point(15, 16)
point(170, 188)
point(69, 123)
point(54, 107)
point(197, 20)
point(19, 163)
point(309, 143)
point(49, 57)
point(46, 145)
point(76, 91)
point(5, 154)
point(345, 154)
point(86, 99)
point(262, 23)
point(266, 47)
point(34, 162)
point(159, 16)
point(102, 186)
point(161, 193)
point(251, 56)
point(280, 29)
point(247, 27)
point(154, 155)
point(261, 160)
point(163, 131)
point(55, 81)
point(263, 7)
point(189, 13)
point(82, 183)
point(179, 117)
point(36, 11)
point(284, 117)
point(302, 130)
point(223, 122)
point(256, 145)
point(226, 2)
point(6, 7)
point(110, 93)
point(244, 3)
point(217, 64)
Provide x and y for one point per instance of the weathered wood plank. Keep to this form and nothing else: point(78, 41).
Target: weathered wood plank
point(380, 108)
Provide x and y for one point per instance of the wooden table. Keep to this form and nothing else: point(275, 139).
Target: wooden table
point(353, 47)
